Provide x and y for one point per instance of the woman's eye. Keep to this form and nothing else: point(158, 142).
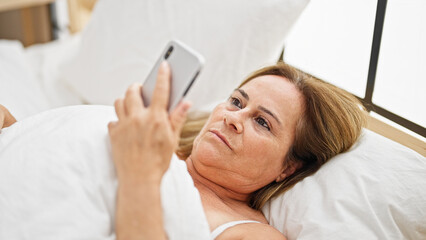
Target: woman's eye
point(262, 122)
point(236, 102)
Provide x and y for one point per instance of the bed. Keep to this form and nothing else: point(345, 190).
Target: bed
point(374, 191)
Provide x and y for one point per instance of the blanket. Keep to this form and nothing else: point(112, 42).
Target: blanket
point(57, 180)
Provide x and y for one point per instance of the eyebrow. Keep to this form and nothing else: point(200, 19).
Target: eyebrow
point(242, 92)
point(262, 108)
point(270, 113)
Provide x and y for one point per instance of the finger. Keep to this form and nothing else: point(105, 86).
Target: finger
point(119, 108)
point(178, 116)
point(160, 98)
point(111, 126)
point(133, 101)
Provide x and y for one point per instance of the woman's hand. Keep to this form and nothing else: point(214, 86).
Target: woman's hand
point(6, 119)
point(144, 139)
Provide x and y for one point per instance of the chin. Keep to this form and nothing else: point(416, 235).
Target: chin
point(206, 153)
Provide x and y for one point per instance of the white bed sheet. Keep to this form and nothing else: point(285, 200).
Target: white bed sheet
point(57, 180)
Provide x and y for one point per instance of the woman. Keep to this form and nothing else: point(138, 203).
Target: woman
point(278, 127)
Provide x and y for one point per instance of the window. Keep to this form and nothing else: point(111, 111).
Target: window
point(342, 42)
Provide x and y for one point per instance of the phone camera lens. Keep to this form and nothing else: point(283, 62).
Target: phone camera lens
point(169, 51)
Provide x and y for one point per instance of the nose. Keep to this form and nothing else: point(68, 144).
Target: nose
point(233, 121)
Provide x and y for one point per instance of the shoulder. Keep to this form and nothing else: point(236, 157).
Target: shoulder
point(251, 231)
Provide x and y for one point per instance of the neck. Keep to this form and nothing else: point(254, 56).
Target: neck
point(209, 186)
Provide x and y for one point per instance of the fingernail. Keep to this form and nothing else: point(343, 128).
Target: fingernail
point(164, 65)
point(187, 106)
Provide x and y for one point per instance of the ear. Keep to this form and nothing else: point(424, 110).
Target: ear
point(287, 171)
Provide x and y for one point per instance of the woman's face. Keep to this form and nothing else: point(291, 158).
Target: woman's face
point(243, 144)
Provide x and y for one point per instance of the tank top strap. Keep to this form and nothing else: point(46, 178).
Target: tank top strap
point(219, 230)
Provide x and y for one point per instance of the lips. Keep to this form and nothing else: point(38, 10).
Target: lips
point(223, 138)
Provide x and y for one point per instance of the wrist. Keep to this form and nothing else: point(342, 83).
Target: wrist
point(150, 172)
point(140, 181)
point(139, 212)
point(131, 192)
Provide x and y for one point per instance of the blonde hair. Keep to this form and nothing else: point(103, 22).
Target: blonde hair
point(331, 124)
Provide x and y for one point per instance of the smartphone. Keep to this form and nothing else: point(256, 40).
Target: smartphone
point(185, 65)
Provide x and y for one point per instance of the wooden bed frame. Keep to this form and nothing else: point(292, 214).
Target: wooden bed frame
point(79, 13)
point(396, 135)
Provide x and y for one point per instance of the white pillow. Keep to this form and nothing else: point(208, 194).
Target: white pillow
point(375, 191)
point(45, 60)
point(124, 39)
point(20, 91)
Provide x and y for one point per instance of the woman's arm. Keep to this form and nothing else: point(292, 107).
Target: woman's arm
point(6, 118)
point(143, 141)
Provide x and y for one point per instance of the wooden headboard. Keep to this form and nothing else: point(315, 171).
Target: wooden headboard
point(79, 13)
point(396, 135)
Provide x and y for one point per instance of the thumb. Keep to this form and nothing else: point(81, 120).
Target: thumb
point(178, 117)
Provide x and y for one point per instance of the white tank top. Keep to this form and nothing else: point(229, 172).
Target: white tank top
point(219, 230)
